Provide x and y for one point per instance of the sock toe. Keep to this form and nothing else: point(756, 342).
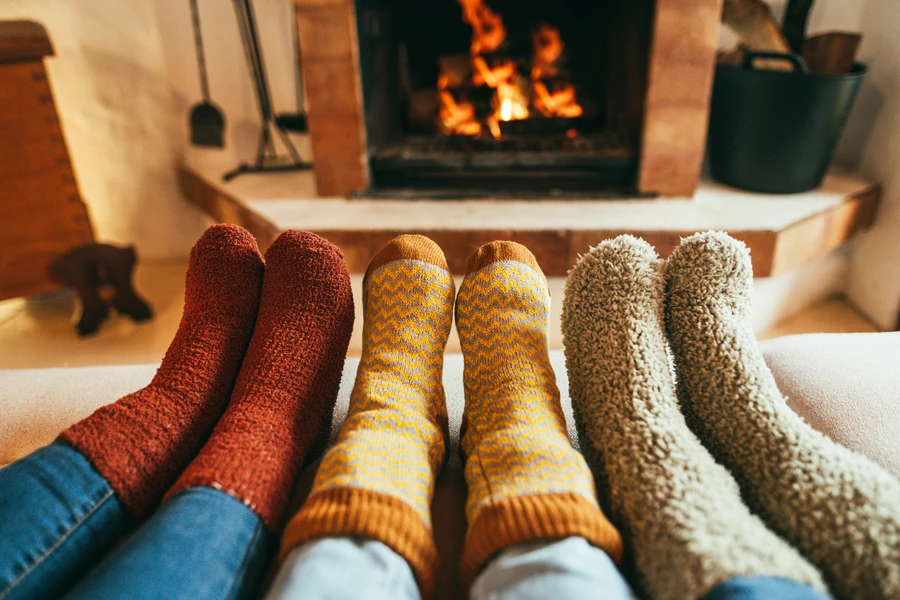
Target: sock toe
point(303, 247)
point(711, 265)
point(626, 262)
point(408, 247)
point(501, 251)
point(224, 237)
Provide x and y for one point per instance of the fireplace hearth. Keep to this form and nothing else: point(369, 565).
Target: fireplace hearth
point(472, 98)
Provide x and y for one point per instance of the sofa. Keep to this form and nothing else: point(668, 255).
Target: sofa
point(845, 385)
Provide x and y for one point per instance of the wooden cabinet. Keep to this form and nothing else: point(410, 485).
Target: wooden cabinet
point(42, 215)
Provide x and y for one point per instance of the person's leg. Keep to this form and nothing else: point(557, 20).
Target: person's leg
point(58, 516)
point(201, 544)
point(841, 510)
point(142, 442)
point(568, 568)
point(213, 533)
point(681, 513)
point(378, 480)
point(526, 481)
point(65, 505)
point(338, 568)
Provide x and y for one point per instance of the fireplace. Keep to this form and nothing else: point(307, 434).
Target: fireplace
point(467, 98)
point(516, 96)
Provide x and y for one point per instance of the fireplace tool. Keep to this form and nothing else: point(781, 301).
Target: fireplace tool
point(207, 122)
point(267, 158)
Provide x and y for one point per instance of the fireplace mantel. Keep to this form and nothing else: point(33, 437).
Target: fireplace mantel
point(673, 138)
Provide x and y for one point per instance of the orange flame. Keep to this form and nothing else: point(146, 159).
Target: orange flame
point(512, 93)
point(560, 103)
point(548, 48)
point(488, 31)
point(455, 117)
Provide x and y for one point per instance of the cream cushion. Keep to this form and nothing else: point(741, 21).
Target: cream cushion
point(845, 385)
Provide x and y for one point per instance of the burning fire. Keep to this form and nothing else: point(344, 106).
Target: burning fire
point(514, 95)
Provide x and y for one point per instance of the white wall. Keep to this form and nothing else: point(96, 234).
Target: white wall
point(115, 104)
point(229, 79)
point(124, 77)
point(872, 143)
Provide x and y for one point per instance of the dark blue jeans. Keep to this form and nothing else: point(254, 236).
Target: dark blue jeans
point(59, 518)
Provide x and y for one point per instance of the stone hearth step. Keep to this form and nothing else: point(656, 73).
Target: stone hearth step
point(782, 232)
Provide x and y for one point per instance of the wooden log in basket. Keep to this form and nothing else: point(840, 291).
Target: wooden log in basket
point(832, 53)
point(753, 23)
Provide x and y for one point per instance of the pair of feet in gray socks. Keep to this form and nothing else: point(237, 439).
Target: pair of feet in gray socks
point(714, 477)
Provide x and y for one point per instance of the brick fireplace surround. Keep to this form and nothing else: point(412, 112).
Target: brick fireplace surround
point(682, 57)
point(784, 233)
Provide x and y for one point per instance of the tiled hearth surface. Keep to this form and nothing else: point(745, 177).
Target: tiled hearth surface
point(783, 231)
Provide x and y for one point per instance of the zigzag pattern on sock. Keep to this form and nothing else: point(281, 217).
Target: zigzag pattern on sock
point(512, 382)
point(398, 391)
point(526, 481)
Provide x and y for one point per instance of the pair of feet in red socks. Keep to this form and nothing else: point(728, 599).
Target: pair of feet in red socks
point(249, 381)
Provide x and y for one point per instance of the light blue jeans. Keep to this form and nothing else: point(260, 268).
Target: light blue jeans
point(345, 567)
point(342, 568)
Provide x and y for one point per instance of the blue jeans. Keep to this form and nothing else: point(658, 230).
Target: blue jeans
point(59, 518)
point(345, 567)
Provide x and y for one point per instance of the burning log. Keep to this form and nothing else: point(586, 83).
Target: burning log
point(455, 69)
point(456, 118)
point(558, 103)
point(514, 95)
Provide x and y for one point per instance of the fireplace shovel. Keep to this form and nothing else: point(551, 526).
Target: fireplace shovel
point(207, 122)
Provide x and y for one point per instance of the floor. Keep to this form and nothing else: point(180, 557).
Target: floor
point(39, 333)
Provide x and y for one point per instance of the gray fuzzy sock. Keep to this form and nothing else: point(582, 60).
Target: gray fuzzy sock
point(838, 508)
point(685, 526)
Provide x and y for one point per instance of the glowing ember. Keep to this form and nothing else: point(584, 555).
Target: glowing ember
point(513, 94)
point(506, 110)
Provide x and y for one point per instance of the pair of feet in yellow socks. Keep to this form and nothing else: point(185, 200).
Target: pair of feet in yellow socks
point(526, 482)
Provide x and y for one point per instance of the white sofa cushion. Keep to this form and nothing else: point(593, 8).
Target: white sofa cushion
point(845, 385)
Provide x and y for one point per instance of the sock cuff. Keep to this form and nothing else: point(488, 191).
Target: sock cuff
point(360, 512)
point(522, 519)
point(408, 247)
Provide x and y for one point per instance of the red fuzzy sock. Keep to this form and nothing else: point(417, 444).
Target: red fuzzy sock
point(143, 441)
point(281, 408)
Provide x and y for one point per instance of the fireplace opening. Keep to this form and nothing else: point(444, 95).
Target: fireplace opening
point(543, 96)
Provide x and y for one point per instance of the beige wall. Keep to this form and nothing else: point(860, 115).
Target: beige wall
point(124, 77)
point(873, 144)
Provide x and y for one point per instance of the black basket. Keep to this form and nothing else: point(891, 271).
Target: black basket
point(775, 131)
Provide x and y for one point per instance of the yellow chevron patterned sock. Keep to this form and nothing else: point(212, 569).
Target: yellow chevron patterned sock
point(526, 481)
point(378, 480)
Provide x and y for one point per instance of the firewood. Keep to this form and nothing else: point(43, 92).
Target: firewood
point(733, 57)
point(422, 105)
point(831, 53)
point(455, 70)
point(754, 24)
